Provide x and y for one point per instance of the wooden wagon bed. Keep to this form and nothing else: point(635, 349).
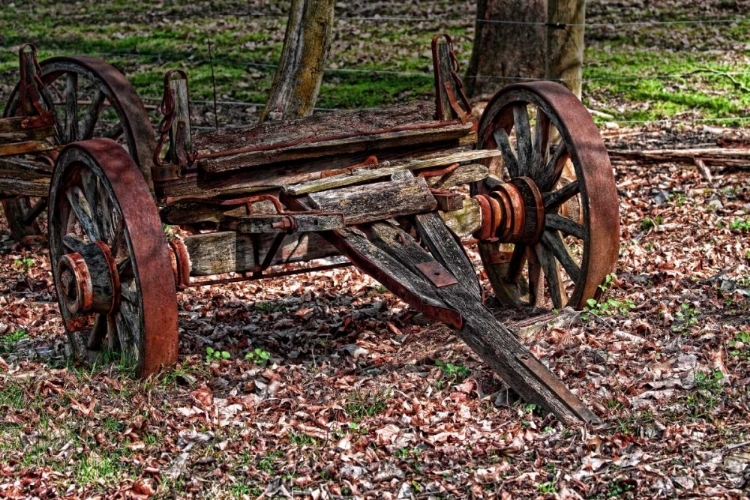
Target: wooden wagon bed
point(325, 135)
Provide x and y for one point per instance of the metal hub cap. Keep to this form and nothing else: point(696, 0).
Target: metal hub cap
point(513, 212)
point(89, 280)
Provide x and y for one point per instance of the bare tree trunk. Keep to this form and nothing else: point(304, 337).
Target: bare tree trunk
point(300, 73)
point(509, 48)
point(565, 42)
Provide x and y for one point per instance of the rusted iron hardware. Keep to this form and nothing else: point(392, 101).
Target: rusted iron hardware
point(33, 122)
point(512, 212)
point(454, 89)
point(178, 159)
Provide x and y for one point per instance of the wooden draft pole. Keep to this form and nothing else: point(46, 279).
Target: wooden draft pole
point(565, 29)
point(300, 73)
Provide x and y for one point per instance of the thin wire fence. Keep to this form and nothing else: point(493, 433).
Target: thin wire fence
point(185, 58)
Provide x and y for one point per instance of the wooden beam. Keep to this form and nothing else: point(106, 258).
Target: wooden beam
point(377, 201)
point(492, 341)
point(230, 252)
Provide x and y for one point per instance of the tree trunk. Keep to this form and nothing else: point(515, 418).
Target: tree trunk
point(508, 50)
point(565, 43)
point(300, 72)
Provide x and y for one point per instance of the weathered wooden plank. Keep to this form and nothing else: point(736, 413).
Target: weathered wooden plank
point(409, 285)
point(18, 125)
point(180, 137)
point(191, 212)
point(442, 68)
point(274, 177)
point(300, 223)
point(340, 123)
point(464, 174)
point(449, 252)
point(377, 201)
point(20, 148)
point(348, 145)
point(24, 165)
point(19, 187)
point(228, 251)
point(492, 341)
point(466, 221)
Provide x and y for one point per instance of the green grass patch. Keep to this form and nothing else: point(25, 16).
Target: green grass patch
point(8, 341)
point(362, 404)
point(12, 395)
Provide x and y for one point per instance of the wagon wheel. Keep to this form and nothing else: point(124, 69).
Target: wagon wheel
point(577, 244)
point(110, 260)
point(90, 99)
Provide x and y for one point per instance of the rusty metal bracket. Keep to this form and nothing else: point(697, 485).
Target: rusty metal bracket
point(370, 161)
point(437, 274)
point(448, 201)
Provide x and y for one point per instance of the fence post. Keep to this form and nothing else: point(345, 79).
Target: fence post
point(565, 28)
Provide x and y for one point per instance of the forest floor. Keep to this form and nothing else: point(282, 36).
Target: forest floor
point(335, 388)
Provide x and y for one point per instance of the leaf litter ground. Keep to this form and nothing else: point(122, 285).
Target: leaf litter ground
point(361, 396)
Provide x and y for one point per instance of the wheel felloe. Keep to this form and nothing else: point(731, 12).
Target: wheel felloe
point(110, 259)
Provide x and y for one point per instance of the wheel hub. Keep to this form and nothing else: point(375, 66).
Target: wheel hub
point(89, 281)
point(513, 212)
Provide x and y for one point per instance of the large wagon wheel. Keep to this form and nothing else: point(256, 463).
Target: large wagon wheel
point(90, 99)
point(571, 256)
point(110, 260)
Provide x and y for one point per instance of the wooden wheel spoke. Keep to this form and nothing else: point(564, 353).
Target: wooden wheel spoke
point(73, 242)
point(536, 278)
point(88, 122)
point(567, 226)
point(523, 138)
point(509, 157)
point(552, 276)
point(82, 210)
point(552, 171)
point(541, 145)
point(556, 198)
point(553, 241)
point(128, 290)
point(98, 333)
point(515, 266)
point(71, 108)
point(113, 339)
point(128, 323)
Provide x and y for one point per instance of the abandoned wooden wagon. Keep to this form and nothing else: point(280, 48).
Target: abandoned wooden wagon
point(392, 189)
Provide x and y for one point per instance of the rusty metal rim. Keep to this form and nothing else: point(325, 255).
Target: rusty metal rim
point(593, 171)
point(145, 239)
